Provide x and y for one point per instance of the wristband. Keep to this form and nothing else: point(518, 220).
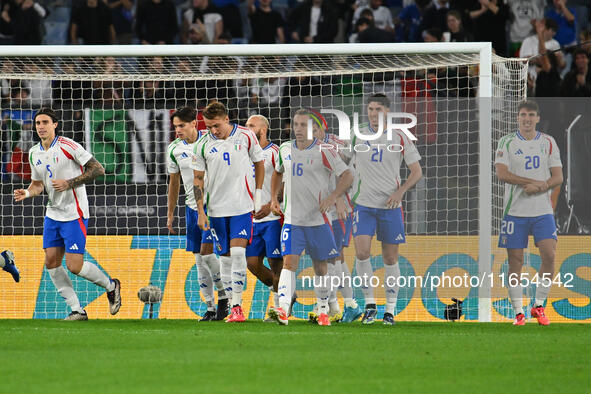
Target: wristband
point(258, 199)
point(27, 193)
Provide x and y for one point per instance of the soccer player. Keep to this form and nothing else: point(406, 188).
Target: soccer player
point(63, 167)
point(227, 152)
point(378, 197)
point(267, 226)
point(7, 264)
point(342, 222)
point(307, 198)
point(528, 161)
point(179, 163)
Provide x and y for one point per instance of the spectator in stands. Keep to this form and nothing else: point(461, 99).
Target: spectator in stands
point(25, 18)
point(585, 37)
point(184, 93)
point(39, 89)
point(230, 11)
point(409, 21)
point(548, 80)
point(456, 31)
point(433, 35)
point(72, 94)
point(523, 15)
point(566, 19)
point(365, 14)
point(266, 23)
point(368, 33)
point(490, 18)
point(108, 94)
point(122, 17)
point(156, 22)
point(314, 21)
point(577, 82)
point(530, 48)
point(202, 24)
point(91, 21)
point(381, 15)
point(435, 15)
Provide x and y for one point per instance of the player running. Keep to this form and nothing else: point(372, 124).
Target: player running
point(342, 222)
point(179, 161)
point(377, 196)
point(307, 198)
point(63, 167)
point(267, 226)
point(528, 161)
point(227, 152)
point(7, 264)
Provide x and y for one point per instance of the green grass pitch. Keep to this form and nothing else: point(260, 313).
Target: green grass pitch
point(169, 356)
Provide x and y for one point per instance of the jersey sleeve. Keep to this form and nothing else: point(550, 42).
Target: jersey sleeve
point(502, 154)
point(254, 151)
point(198, 162)
point(76, 151)
point(554, 160)
point(34, 173)
point(409, 150)
point(279, 167)
point(171, 164)
point(333, 162)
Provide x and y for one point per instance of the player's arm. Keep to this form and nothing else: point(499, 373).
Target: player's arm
point(198, 190)
point(259, 178)
point(504, 175)
point(174, 185)
point(276, 180)
point(343, 184)
point(92, 170)
point(555, 180)
point(34, 189)
point(416, 173)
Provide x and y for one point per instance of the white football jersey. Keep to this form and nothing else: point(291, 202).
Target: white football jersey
point(341, 147)
point(179, 158)
point(306, 174)
point(65, 159)
point(228, 164)
point(377, 167)
point(270, 156)
point(529, 159)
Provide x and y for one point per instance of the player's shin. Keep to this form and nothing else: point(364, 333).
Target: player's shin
point(238, 275)
point(365, 272)
point(334, 274)
point(226, 274)
point(516, 297)
point(212, 262)
point(286, 288)
point(322, 291)
point(392, 272)
point(205, 282)
point(346, 288)
point(93, 274)
point(64, 287)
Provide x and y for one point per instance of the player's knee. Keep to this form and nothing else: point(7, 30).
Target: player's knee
point(363, 255)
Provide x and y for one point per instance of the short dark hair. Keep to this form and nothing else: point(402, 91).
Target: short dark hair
point(214, 110)
point(528, 104)
point(363, 21)
point(551, 24)
point(186, 114)
point(456, 14)
point(46, 111)
point(580, 51)
point(435, 32)
point(379, 98)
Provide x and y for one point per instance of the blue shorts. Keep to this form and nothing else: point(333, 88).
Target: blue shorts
point(266, 240)
point(317, 241)
point(70, 235)
point(387, 224)
point(195, 236)
point(516, 230)
point(223, 229)
point(342, 232)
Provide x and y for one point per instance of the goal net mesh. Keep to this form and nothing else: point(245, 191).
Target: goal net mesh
point(119, 109)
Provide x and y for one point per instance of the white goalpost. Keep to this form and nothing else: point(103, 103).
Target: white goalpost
point(116, 101)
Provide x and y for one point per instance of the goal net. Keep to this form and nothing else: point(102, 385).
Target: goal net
point(117, 101)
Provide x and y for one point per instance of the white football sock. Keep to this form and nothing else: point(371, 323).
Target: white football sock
point(205, 282)
point(365, 272)
point(286, 288)
point(392, 272)
point(542, 291)
point(333, 271)
point(92, 273)
point(212, 262)
point(238, 255)
point(322, 291)
point(226, 274)
point(64, 287)
point(516, 297)
point(346, 289)
point(275, 299)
